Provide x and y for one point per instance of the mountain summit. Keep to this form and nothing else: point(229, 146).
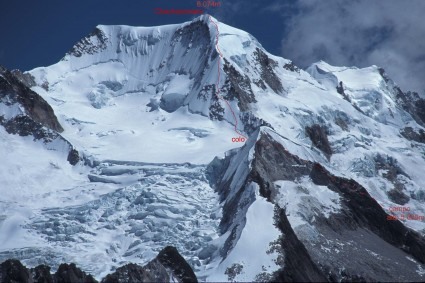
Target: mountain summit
point(192, 135)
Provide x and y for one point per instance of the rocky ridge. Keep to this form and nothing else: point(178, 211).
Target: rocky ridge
point(23, 112)
point(168, 266)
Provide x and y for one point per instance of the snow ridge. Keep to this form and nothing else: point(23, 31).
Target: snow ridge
point(218, 80)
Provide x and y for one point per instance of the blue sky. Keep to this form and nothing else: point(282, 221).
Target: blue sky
point(39, 33)
point(387, 33)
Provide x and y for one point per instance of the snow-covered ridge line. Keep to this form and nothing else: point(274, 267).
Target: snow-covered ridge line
point(218, 80)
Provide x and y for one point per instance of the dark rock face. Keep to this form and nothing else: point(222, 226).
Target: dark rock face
point(12, 271)
point(267, 73)
point(342, 124)
point(299, 267)
point(86, 45)
point(133, 273)
point(369, 214)
point(14, 91)
point(292, 254)
point(390, 164)
point(291, 67)
point(392, 173)
point(206, 91)
point(73, 157)
point(41, 274)
point(235, 201)
point(25, 78)
point(251, 123)
point(364, 213)
point(168, 266)
point(413, 104)
point(216, 110)
point(237, 86)
point(171, 259)
point(270, 153)
point(340, 90)
point(396, 195)
point(319, 138)
point(25, 126)
point(70, 273)
point(412, 135)
point(196, 33)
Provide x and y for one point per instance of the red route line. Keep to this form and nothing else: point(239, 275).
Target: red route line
point(217, 89)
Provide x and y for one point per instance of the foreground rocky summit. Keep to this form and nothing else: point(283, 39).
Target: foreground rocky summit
point(168, 266)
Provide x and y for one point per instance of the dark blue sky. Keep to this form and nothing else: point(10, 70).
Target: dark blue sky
point(39, 33)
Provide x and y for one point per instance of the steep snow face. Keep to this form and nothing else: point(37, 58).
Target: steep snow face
point(142, 94)
point(253, 258)
point(135, 88)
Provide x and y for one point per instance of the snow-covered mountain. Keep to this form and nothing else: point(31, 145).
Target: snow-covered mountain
point(147, 118)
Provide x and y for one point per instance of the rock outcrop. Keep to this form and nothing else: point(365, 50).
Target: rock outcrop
point(319, 138)
point(168, 266)
point(23, 112)
point(12, 90)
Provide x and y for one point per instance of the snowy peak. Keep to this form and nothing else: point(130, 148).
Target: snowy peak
point(354, 78)
point(198, 68)
point(142, 57)
point(369, 92)
point(111, 40)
